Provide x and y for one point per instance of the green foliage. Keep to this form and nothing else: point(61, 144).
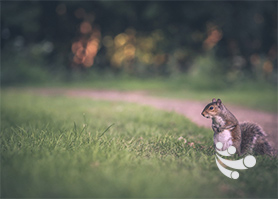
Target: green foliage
point(60, 147)
point(14, 73)
point(145, 39)
point(207, 72)
point(25, 68)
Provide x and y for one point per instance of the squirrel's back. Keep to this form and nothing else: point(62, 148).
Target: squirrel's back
point(254, 139)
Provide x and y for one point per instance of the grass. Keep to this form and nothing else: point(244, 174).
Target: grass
point(66, 147)
point(250, 94)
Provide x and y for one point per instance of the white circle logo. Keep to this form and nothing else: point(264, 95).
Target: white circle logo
point(241, 164)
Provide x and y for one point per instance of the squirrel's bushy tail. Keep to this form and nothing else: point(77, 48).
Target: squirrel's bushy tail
point(254, 139)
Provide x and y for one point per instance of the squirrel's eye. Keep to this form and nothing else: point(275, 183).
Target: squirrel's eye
point(210, 108)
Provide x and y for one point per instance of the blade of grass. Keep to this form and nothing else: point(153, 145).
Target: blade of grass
point(106, 130)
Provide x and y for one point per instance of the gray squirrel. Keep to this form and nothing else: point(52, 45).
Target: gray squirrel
point(245, 137)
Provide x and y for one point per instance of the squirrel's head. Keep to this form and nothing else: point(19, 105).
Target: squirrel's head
point(212, 109)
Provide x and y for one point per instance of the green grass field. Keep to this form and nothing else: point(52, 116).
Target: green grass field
point(249, 94)
point(63, 147)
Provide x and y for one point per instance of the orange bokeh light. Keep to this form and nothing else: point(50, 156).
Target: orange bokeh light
point(85, 27)
point(214, 36)
point(86, 48)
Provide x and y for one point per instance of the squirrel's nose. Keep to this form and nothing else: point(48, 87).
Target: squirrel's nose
point(202, 114)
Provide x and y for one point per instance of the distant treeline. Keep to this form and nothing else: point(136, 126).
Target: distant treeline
point(144, 38)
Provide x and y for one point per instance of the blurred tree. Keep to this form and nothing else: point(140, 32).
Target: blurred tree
point(242, 33)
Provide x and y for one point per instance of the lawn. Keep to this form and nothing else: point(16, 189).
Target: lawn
point(70, 147)
point(249, 94)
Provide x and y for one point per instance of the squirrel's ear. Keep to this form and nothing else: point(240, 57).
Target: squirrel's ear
point(219, 102)
point(213, 100)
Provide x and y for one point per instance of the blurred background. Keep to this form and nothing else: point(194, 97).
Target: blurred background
point(217, 43)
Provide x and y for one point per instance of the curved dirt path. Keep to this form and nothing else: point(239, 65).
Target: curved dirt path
point(188, 108)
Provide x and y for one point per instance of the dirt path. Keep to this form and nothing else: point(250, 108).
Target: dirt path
point(190, 109)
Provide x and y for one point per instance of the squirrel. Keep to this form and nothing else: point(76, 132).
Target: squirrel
point(246, 137)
